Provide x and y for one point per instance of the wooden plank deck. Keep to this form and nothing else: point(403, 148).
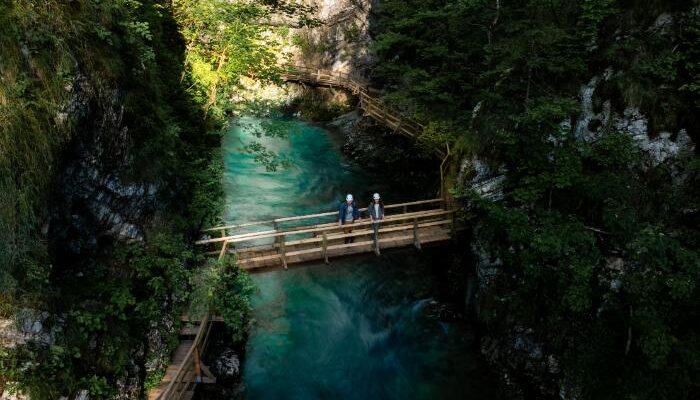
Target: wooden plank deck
point(176, 360)
point(307, 252)
point(185, 370)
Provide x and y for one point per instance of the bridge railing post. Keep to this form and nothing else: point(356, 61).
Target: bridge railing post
point(197, 366)
point(325, 247)
point(376, 239)
point(276, 225)
point(283, 251)
point(224, 247)
point(416, 236)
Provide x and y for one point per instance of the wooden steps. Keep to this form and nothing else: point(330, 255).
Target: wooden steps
point(372, 106)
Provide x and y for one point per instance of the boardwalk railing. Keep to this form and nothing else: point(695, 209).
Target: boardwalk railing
point(319, 236)
point(189, 371)
point(371, 105)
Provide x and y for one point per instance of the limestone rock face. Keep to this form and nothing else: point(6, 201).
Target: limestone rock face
point(341, 42)
point(476, 175)
point(94, 200)
point(657, 147)
point(227, 364)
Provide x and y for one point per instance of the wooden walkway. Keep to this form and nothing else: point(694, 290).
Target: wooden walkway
point(292, 240)
point(371, 106)
point(186, 369)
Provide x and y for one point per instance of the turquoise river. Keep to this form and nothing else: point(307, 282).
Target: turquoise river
point(360, 328)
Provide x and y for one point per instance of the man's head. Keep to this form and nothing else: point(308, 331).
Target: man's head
point(348, 198)
point(376, 197)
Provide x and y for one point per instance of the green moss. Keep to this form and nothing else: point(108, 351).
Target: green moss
point(153, 379)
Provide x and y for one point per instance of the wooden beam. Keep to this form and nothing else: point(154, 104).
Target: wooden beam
point(283, 253)
point(197, 365)
point(376, 239)
point(325, 247)
point(342, 249)
point(223, 250)
point(416, 237)
point(273, 233)
point(398, 217)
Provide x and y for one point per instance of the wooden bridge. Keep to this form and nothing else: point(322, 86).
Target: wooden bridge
point(372, 106)
point(315, 237)
point(290, 240)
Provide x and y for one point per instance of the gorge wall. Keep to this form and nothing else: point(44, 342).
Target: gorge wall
point(102, 150)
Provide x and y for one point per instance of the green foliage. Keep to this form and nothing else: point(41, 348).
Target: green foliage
point(225, 42)
point(101, 304)
point(593, 13)
point(352, 33)
point(599, 253)
point(232, 288)
point(153, 379)
point(224, 288)
point(436, 136)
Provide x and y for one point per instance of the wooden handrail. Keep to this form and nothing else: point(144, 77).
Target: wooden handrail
point(299, 230)
point(187, 361)
point(345, 80)
point(310, 216)
point(327, 229)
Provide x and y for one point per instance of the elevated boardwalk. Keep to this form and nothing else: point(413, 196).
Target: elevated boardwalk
point(186, 369)
point(371, 105)
point(316, 237)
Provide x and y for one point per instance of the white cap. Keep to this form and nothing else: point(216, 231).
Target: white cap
point(376, 196)
point(348, 197)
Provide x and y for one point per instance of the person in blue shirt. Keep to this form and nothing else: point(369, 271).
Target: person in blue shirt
point(375, 210)
point(347, 215)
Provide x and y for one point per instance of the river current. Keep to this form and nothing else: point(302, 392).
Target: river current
point(360, 328)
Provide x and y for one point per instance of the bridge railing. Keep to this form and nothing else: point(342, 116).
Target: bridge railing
point(222, 232)
point(318, 233)
point(189, 370)
point(372, 105)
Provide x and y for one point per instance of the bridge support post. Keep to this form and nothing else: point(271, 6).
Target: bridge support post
point(376, 240)
point(416, 236)
point(197, 366)
point(284, 253)
point(325, 247)
point(223, 250)
point(277, 229)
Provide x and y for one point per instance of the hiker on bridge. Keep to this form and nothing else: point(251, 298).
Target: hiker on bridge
point(375, 209)
point(347, 215)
